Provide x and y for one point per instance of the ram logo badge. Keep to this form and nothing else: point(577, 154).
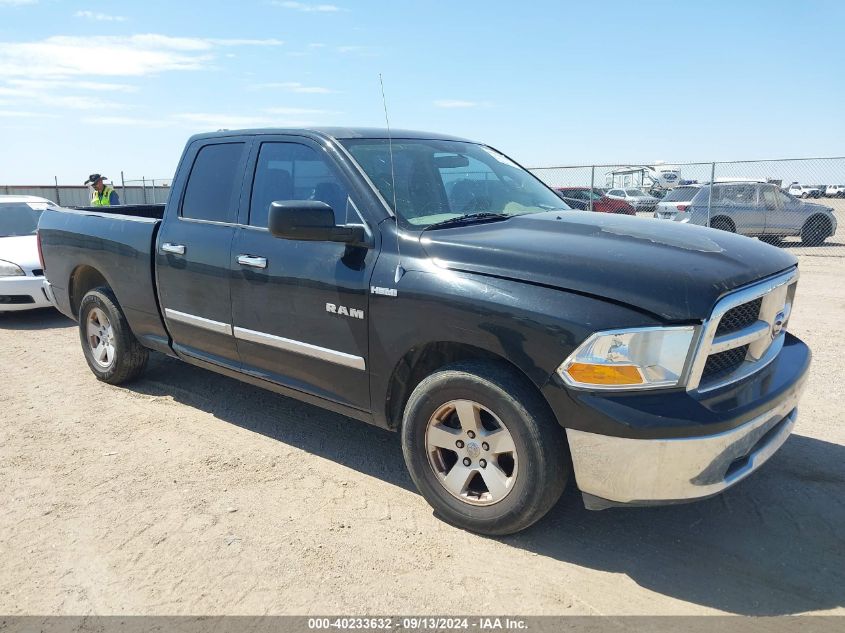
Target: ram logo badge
point(777, 326)
point(354, 313)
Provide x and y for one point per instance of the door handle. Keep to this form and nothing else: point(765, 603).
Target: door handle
point(254, 262)
point(176, 249)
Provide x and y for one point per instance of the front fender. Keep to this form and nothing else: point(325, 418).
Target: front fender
point(533, 327)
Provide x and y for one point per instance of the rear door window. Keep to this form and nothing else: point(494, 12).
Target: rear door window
point(210, 194)
point(737, 195)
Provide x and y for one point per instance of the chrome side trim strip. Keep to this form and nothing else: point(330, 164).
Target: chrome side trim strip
point(298, 347)
point(200, 322)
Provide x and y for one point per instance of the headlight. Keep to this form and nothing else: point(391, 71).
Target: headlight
point(8, 269)
point(644, 358)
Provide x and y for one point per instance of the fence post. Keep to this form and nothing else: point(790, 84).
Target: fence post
point(58, 197)
point(154, 190)
point(144, 188)
point(123, 188)
point(592, 184)
point(710, 192)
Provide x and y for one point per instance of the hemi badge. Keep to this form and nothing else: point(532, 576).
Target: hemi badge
point(387, 292)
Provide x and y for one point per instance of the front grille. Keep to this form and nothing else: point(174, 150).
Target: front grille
point(740, 317)
point(723, 363)
point(16, 299)
point(734, 343)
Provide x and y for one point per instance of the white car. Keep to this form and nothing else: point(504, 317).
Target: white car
point(21, 276)
point(635, 197)
point(835, 191)
point(803, 191)
point(675, 202)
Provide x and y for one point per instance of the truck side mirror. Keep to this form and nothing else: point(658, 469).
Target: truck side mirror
point(310, 220)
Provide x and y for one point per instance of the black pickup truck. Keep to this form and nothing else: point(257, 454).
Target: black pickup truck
point(430, 285)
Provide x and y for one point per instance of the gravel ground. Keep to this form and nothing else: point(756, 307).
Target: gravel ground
point(191, 493)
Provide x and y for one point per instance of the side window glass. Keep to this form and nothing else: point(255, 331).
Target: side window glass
point(738, 195)
point(211, 184)
point(290, 171)
point(769, 197)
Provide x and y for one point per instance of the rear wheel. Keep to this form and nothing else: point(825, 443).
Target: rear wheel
point(483, 448)
point(815, 231)
point(111, 349)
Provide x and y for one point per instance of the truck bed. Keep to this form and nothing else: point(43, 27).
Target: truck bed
point(84, 246)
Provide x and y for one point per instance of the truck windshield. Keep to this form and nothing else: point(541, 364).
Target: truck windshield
point(438, 181)
point(18, 218)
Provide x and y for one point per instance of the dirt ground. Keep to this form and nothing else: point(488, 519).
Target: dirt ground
point(191, 493)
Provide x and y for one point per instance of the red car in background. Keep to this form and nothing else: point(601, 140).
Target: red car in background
point(579, 198)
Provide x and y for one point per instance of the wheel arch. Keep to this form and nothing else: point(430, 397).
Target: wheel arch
point(821, 218)
point(723, 218)
point(423, 360)
point(83, 279)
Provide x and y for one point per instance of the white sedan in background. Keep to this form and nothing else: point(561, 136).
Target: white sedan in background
point(21, 276)
point(639, 200)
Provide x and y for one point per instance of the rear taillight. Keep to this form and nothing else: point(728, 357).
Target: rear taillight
point(40, 253)
point(683, 207)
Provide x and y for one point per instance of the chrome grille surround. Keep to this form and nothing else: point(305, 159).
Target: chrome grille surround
point(762, 337)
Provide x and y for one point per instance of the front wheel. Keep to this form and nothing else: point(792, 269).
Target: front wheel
point(111, 349)
point(815, 231)
point(483, 448)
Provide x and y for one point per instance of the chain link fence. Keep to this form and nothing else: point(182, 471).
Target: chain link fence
point(134, 191)
point(797, 204)
point(145, 190)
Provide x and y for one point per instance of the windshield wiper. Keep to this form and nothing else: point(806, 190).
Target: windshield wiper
point(470, 218)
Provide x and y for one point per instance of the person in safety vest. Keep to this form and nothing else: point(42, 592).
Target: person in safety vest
point(103, 195)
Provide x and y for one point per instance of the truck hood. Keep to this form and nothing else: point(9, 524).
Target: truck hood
point(671, 270)
point(21, 250)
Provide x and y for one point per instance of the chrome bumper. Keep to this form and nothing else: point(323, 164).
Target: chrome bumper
point(48, 292)
point(615, 470)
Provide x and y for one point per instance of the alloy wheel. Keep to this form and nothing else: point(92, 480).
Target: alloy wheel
point(100, 336)
point(471, 452)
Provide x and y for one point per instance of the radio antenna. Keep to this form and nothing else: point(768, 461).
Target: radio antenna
point(399, 270)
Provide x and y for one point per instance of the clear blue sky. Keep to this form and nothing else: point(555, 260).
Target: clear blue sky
point(107, 86)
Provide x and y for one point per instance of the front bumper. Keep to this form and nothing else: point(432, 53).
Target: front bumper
point(641, 207)
point(22, 293)
point(671, 447)
point(615, 470)
point(662, 214)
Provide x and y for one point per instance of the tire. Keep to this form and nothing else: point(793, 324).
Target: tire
point(723, 224)
point(526, 476)
point(815, 231)
point(804, 194)
point(111, 349)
